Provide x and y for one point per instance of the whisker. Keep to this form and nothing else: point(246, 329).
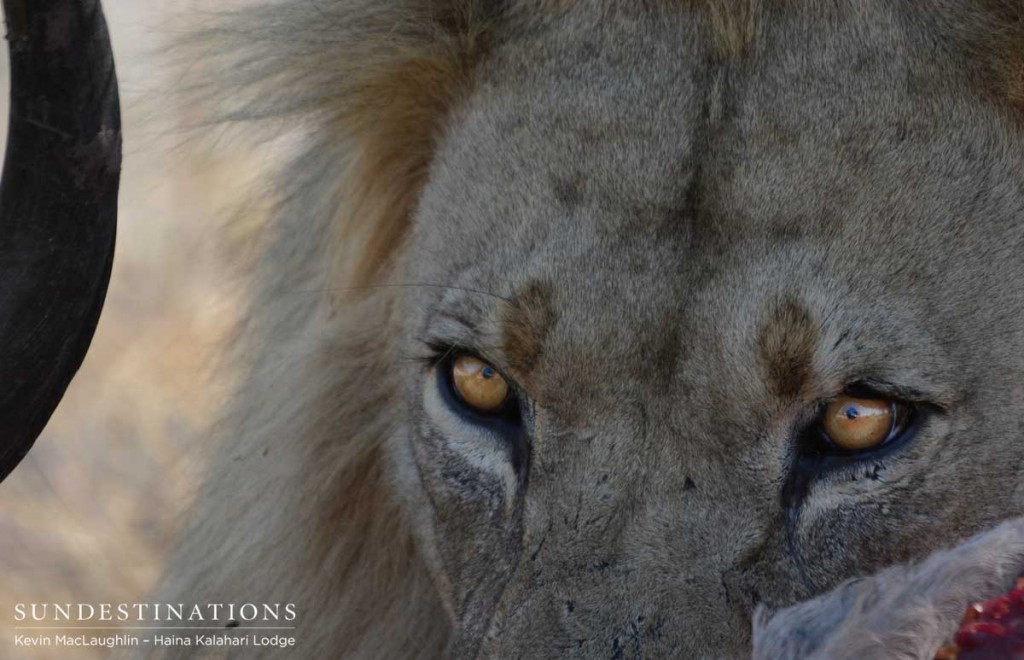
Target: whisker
point(408, 285)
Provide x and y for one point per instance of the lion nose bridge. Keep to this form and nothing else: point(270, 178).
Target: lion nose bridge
point(619, 497)
point(611, 561)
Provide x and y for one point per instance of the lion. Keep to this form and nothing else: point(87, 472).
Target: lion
point(620, 328)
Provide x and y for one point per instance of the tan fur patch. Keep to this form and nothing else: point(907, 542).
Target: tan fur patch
point(992, 32)
point(786, 344)
point(526, 325)
point(1008, 74)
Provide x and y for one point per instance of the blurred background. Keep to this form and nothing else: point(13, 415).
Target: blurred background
point(89, 516)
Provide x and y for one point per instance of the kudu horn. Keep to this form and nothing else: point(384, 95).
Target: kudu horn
point(58, 207)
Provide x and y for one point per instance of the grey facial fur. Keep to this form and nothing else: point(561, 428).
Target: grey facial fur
point(724, 244)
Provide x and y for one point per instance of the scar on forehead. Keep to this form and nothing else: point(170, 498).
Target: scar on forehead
point(526, 324)
point(785, 345)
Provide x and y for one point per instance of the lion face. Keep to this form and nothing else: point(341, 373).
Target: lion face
point(641, 270)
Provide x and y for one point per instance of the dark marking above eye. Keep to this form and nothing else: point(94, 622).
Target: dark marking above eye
point(526, 324)
point(785, 346)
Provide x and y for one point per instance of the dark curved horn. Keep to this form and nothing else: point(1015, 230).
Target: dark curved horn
point(58, 207)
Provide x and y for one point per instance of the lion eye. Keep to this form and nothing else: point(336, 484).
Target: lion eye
point(478, 384)
point(856, 424)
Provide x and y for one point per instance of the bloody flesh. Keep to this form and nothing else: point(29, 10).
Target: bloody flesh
point(990, 630)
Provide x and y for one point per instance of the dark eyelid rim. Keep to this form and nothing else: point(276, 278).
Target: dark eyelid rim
point(810, 463)
point(812, 437)
point(510, 423)
point(506, 419)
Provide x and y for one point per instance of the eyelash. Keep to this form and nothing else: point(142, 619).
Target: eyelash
point(435, 352)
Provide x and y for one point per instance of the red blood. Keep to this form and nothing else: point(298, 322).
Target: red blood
point(992, 630)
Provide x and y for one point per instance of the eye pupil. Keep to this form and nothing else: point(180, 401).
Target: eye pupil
point(488, 372)
point(851, 413)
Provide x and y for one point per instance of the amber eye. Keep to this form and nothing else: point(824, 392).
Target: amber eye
point(478, 384)
point(855, 424)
